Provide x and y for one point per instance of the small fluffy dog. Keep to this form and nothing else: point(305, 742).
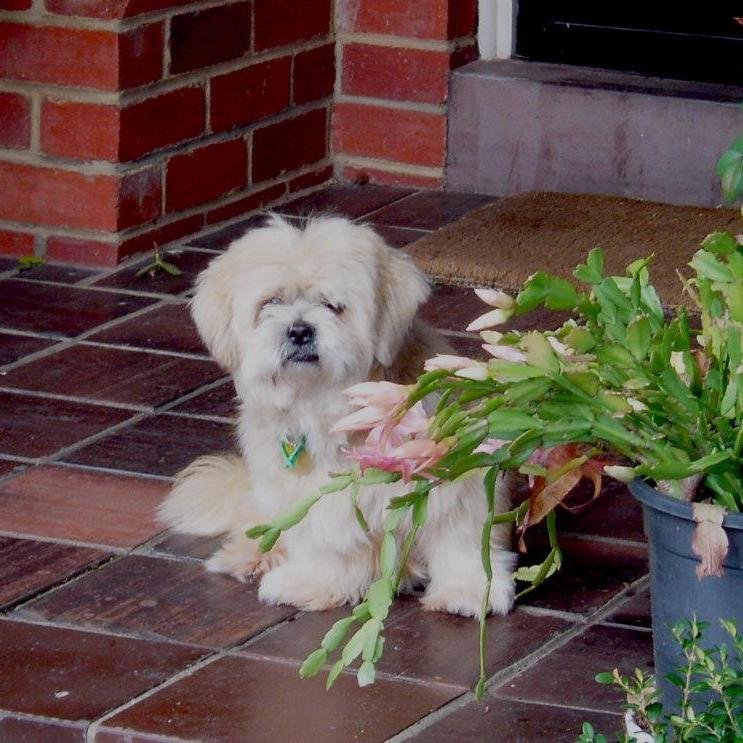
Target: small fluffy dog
point(296, 316)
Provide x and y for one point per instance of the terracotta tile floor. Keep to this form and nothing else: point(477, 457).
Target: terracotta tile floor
point(111, 631)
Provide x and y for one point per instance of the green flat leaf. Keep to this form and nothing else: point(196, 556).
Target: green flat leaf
point(393, 519)
point(540, 354)
point(512, 371)
point(354, 646)
point(313, 663)
point(334, 636)
point(170, 268)
point(296, 513)
point(592, 271)
point(372, 629)
point(527, 390)
point(375, 476)
point(379, 598)
point(387, 554)
point(638, 337)
point(706, 265)
point(257, 531)
point(580, 340)
point(365, 674)
point(721, 243)
point(605, 677)
point(420, 508)
point(268, 540)
point(338, 483)
point(333, 674)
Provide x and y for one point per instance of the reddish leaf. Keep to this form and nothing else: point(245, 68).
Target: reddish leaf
point(710, 542)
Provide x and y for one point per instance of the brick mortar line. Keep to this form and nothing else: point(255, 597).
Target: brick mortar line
point(524, 664)
point(157, 157)
point(149, 90)
point(392, 41)
point(39, 18)
point(389, 166)
point(363, 100)
point(168, 219)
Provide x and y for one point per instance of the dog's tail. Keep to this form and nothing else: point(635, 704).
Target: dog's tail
point(208, 497)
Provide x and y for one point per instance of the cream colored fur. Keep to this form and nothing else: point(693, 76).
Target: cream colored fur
point(245, 302)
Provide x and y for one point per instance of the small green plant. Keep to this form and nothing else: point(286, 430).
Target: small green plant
point(711, 690)
point(26, 262)
point(158, 263)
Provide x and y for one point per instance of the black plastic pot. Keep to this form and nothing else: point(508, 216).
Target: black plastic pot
point(675, 591)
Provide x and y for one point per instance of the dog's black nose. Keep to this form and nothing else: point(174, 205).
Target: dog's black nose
point(300, 334)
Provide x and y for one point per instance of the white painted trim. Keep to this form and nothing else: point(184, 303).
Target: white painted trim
point(495, 34)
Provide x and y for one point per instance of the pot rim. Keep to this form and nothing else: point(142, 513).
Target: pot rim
point(650, 497)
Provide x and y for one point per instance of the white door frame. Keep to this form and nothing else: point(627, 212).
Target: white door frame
point(495, 31)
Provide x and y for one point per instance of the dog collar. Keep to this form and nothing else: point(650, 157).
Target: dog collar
point(292, 449)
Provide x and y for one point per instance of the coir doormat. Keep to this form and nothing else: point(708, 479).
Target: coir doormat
point(502, 244)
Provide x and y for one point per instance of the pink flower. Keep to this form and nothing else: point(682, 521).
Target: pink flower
point(490, 319)
point(496, 298)
point(447, 361)
point(379, 401)
point(378, 394)
point(384, 450)
point(507, 353)
point(504, 307)
point(489, 446)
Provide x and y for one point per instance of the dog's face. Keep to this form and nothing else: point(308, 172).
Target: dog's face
point(304, 307)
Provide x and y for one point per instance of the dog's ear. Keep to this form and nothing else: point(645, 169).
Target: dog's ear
point(403, 288)
point(211, 309)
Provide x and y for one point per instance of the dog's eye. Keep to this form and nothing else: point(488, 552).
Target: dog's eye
point(273, 300)
point(336, 309)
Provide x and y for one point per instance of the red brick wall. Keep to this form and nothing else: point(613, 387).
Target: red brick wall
point(126, 124)
point(389, 119)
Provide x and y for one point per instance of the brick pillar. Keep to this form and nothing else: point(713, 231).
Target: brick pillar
point(389, 119)
point(128, 124)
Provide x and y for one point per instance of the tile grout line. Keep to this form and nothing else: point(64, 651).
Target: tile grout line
point(10, 608)
point(41, 394)
point(539, 703)
point(113, 471)
point(524, 664)
point(100, 289)
point(12, 534)
point(190, 670)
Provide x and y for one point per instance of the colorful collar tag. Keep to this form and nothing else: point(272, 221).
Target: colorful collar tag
point(292, 449)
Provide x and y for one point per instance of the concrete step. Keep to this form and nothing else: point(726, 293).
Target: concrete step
point(519, 126)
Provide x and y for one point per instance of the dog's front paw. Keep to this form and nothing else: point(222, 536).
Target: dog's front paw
point(241, 558)
point(465, 596)
point(300, 587)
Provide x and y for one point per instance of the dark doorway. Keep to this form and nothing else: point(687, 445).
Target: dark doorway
point(701, 42)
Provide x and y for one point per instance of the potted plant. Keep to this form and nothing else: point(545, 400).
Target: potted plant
point(710, 687)
point(620, 389)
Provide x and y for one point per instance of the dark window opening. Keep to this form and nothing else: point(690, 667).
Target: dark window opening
point(670, 40)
